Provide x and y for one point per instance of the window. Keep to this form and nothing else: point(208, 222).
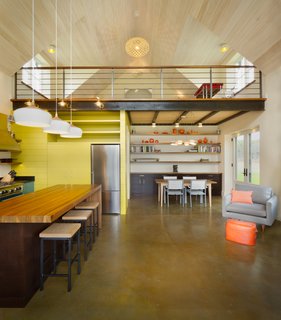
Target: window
point(246, 162)
point(243, 76)
point(41, 78)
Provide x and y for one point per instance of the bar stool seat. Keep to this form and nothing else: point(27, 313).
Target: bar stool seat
point(82, 216)
point(57, 232)
point(91, 205)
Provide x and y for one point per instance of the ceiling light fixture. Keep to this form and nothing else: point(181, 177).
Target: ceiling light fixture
point(32, 115)
point(153, 125)
point(74, 132)
point(224, 47)
point(99, 104)
point(137, 47)
point(177, 124)
point(52, 49)
point(57, 125)
point(200, 125)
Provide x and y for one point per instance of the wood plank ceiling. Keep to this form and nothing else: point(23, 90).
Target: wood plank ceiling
point(182, 32)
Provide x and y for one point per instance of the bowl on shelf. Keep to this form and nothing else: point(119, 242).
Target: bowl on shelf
point(181, 131)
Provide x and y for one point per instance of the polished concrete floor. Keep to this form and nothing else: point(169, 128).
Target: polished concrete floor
point(169, 263)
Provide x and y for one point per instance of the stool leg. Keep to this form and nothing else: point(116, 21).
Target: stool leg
point(69, 266)
point(91, 231)
point(85, 240)
point(93, 226)
point(55, 256)
point(97, 219)
point(78, 253)
point(41, 264)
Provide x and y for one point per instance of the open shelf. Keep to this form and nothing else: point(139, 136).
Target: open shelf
point(175, 153)
point(173, 135)
point(101, 132)
point(177, 162)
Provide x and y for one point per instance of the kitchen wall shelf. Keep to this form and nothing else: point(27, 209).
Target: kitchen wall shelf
point(175, 153)
point(188, 157)
point(94, 121)
point(177, 162)
point(11, 163)
point(173, 135)
point(101, 132)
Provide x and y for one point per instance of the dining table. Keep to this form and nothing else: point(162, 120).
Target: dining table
point(161, 183)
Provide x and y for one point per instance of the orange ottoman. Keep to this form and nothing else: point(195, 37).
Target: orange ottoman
point(241, 232)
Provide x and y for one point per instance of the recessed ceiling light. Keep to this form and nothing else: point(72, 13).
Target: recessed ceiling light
point(224, 47)
point(52, 48)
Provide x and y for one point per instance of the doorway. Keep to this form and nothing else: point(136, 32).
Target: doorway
point(246, 156)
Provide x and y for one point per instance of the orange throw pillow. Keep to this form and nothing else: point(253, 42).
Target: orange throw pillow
point(241, 196)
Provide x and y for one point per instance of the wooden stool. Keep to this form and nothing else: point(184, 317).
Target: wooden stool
point(82, 216)
point(91, 205)
point(57, 232)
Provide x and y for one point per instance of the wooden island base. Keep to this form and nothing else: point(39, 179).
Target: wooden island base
point(21, 221)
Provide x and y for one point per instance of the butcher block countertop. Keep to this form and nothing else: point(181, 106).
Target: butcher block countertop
point(46, 205)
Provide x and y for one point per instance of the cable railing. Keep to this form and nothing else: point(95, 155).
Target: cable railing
point(140, 83)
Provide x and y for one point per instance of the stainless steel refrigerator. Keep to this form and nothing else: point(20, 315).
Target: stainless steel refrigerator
point(105, 170)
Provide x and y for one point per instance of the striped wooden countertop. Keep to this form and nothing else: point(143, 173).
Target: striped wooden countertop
point(46, 205)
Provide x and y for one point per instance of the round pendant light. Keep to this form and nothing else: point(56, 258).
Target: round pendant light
point(74, 132)
point(137, 47)
point(32, 115)
point(57, 125)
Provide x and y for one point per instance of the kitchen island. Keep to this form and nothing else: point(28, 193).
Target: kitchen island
point(21, 221)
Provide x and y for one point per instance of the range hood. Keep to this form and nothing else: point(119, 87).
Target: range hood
point(7, 143)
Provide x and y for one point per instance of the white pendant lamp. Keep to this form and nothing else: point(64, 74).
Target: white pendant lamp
point(32, 115)
point(74, 132)
point(57, 125)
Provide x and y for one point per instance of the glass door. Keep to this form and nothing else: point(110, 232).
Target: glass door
point(246, 160)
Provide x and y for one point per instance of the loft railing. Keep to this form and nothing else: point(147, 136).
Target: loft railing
point(139, 83)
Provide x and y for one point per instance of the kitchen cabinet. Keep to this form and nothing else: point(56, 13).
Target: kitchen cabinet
point(144, 183)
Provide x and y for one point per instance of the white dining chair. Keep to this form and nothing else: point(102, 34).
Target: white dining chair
point(175, 188)
point(197, 188)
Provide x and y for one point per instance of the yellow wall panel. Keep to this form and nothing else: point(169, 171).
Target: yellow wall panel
point(124, 127)
point(33, 155)
point(69, 163)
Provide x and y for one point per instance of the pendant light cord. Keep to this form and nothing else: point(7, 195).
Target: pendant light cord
point(70, 21)
point(56, 115)
point(33, 58)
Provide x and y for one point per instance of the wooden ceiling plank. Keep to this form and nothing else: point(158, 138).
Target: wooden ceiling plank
point(238, 114)
point(181, 116)
point(155, 116)
point(209, 115)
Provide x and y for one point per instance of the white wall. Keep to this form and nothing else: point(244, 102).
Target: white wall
point(269, 123)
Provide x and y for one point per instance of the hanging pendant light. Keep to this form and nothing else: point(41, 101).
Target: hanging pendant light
point(32, 115)
point(74, 132)
point(57, 125)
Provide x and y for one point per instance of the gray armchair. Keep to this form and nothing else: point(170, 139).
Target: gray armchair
point(263, 210)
